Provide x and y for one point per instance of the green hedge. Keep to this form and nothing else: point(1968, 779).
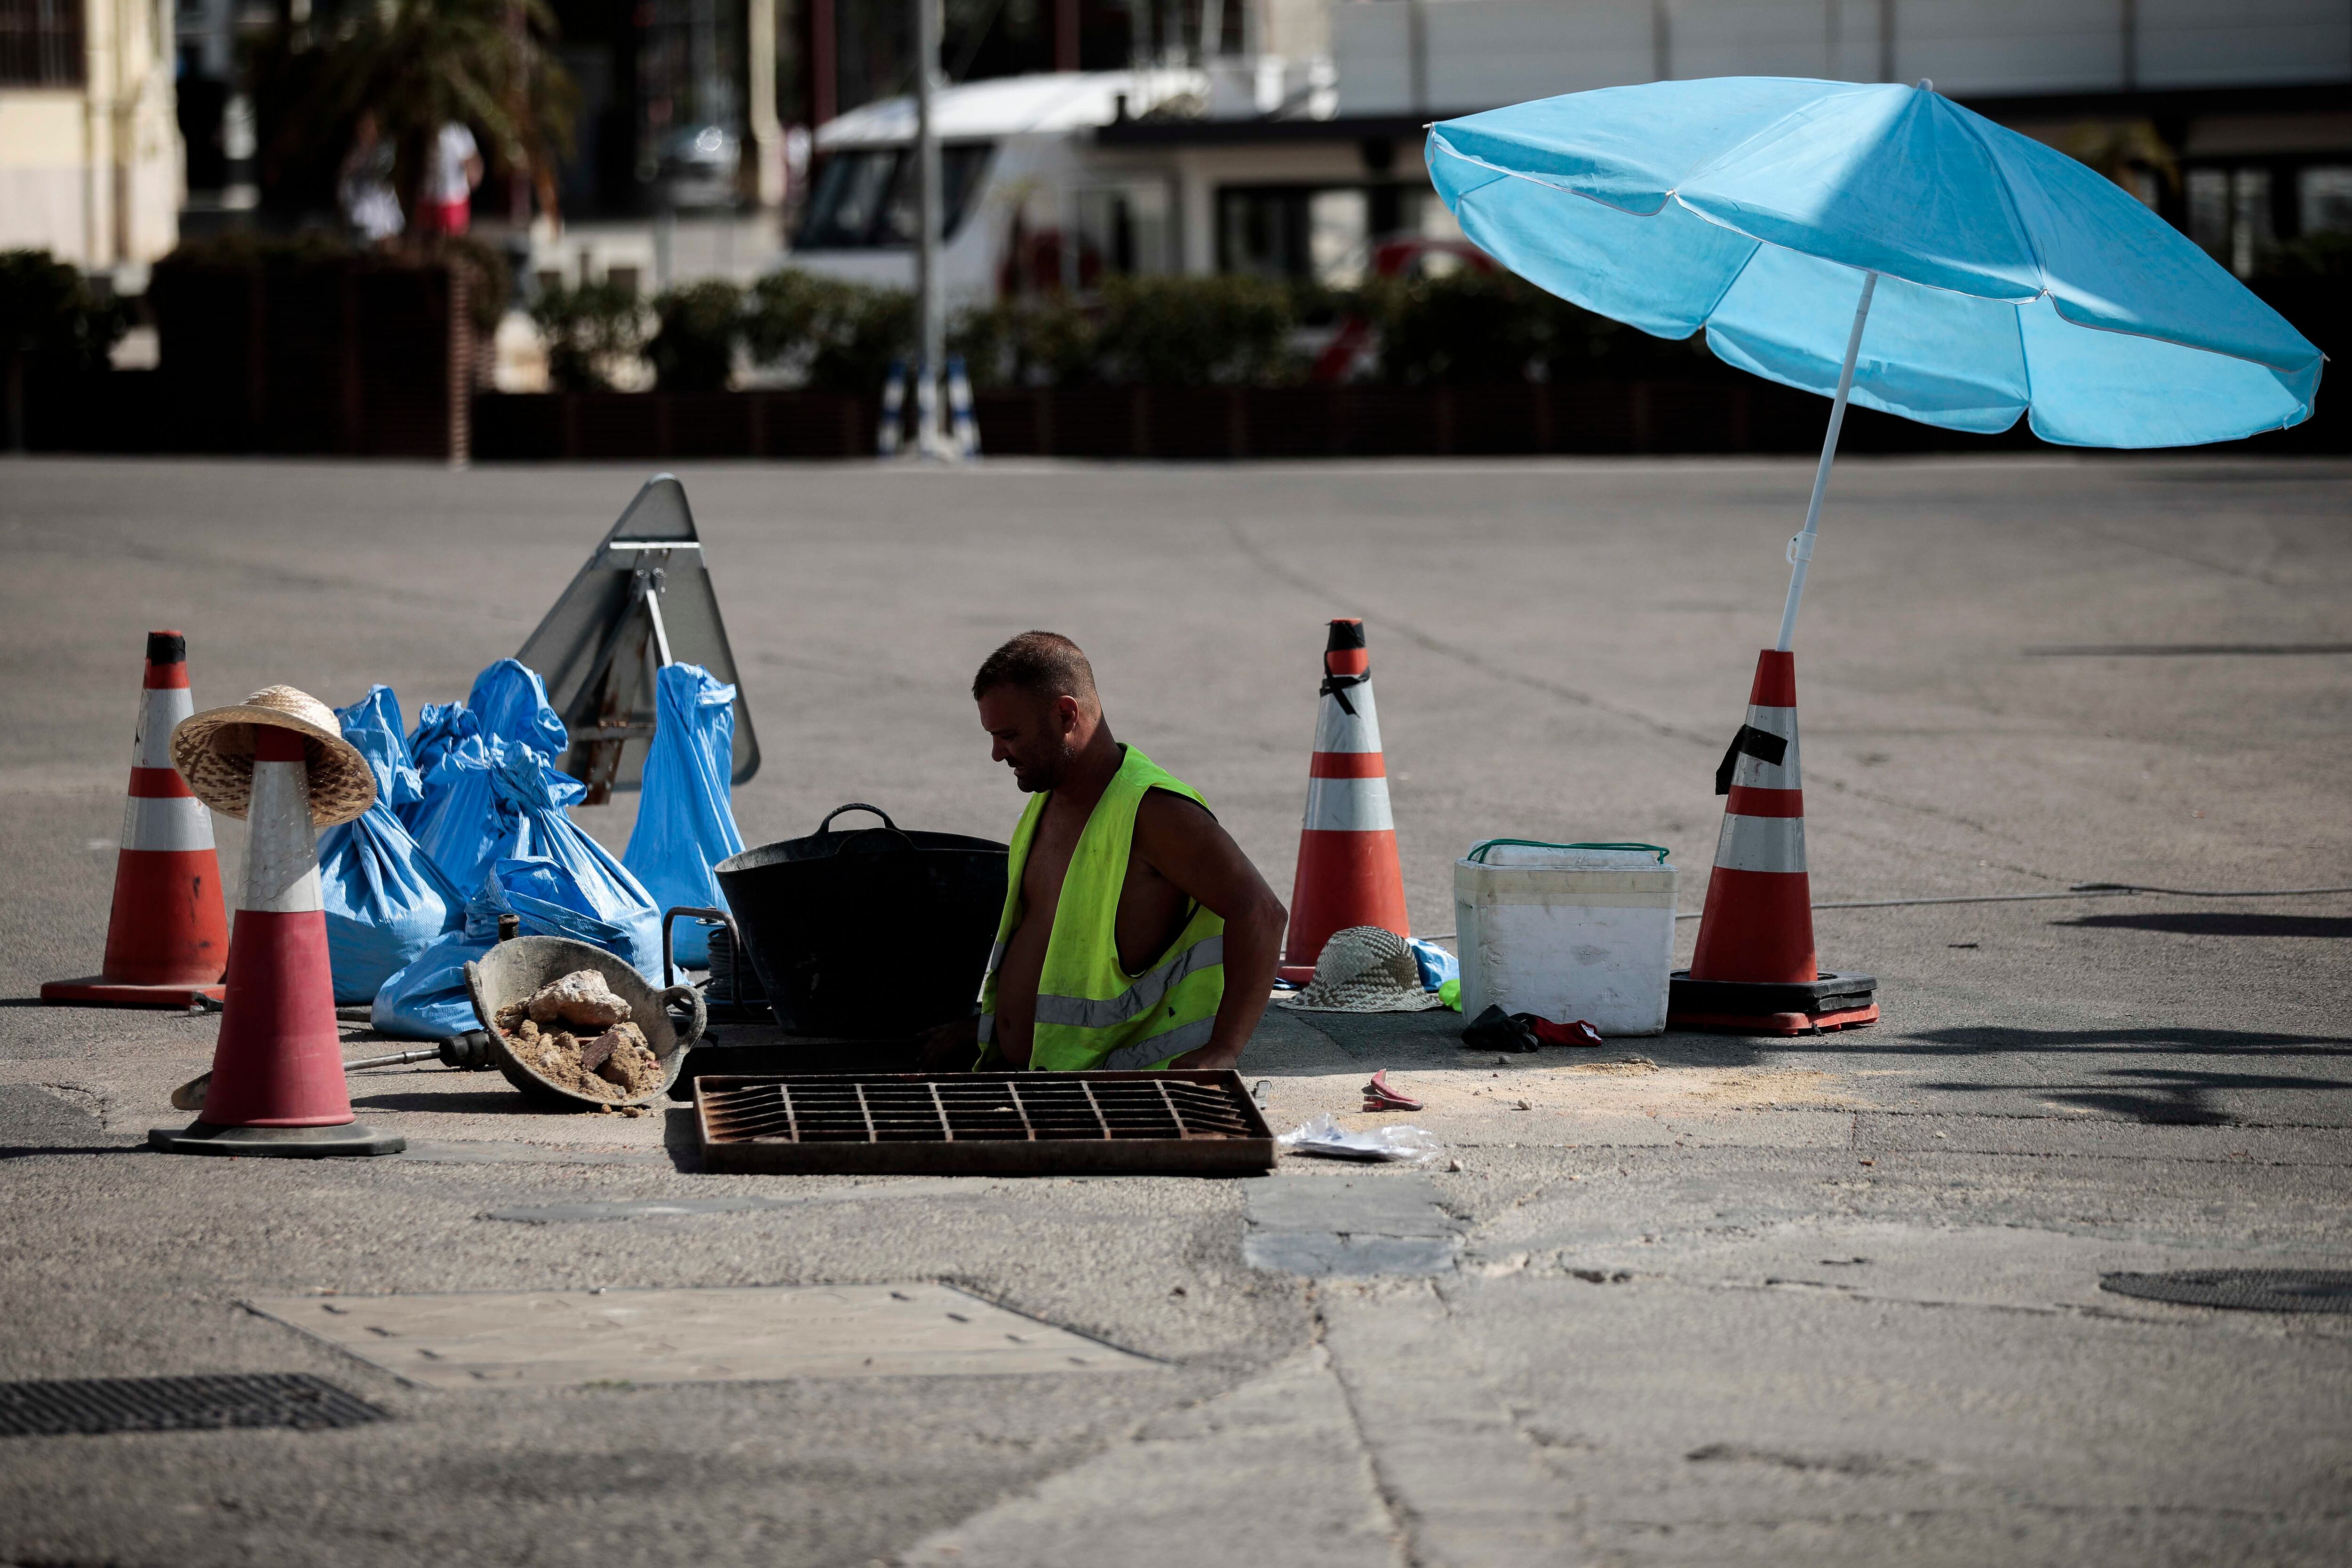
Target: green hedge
point(835, 336)
point(51, 316)
point(488, 281)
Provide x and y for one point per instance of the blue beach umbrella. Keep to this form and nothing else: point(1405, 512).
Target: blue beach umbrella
point(1879, 245)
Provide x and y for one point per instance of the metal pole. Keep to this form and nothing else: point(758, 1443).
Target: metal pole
point(1801, 548)
point(932, 351)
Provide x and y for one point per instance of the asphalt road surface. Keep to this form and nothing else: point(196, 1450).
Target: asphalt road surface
point(1681, 1300)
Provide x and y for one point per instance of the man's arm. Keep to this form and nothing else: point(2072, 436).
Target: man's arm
point(1184, 843)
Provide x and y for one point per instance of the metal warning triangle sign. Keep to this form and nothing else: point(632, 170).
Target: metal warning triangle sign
point(644, 599)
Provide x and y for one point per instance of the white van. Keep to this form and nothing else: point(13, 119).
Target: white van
point(1020, 170)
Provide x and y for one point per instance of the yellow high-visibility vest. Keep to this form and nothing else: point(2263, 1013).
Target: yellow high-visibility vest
point(1091, 1013)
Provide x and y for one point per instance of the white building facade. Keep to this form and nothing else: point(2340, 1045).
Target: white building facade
point(91, 162)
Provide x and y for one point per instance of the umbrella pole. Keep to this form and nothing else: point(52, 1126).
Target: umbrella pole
point(1801, 548)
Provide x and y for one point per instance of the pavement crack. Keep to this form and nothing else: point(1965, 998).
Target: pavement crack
point(2182, 556)
point(97, 1102)
point(1401, 1520)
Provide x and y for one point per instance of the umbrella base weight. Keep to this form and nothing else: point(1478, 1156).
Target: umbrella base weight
point(1767, 1008)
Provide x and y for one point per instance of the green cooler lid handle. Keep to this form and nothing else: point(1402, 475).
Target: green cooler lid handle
point(1479, 853)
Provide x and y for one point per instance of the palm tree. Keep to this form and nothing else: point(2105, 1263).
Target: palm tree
point(2133, 153)
point(418, 64)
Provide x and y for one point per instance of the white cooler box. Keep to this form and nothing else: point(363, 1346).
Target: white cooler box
point(1569, 931)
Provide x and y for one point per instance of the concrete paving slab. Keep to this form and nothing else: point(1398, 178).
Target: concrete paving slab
point(1361, 1224)
point(564, 1339)
point(1288, 1440)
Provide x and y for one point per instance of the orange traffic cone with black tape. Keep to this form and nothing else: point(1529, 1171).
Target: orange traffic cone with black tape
point(167, 938)
point(1348, 870)
point(1754, 972)
point(279, 758)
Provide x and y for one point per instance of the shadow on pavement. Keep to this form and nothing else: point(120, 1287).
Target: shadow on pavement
point(1984, 1040)
point(502, 1102)
point(2142, 1093)
point(2216, 923)
point(29, 1151)
point(681, 1139)
point(2173, 1096)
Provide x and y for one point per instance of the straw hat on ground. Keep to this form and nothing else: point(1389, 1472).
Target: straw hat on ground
point(213, 752)
point(1365, 969)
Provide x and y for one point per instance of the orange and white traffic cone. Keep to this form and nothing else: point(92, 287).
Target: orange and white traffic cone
point(167, 938)
point(277, 1083)
point(1754, 972)
point(1348, 870)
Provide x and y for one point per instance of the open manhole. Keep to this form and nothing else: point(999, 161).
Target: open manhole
point(951, 1123)
point(92, 1404)
point(2247, 1289)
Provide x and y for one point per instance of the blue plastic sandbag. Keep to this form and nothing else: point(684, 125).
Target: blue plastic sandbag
point(686, 820)
point(1437, 966)
point(380, 709)
point(509, 699)
point(385, 901)
point(458, 822)
point(440, 728)
point(534, 825)
point(428, 999)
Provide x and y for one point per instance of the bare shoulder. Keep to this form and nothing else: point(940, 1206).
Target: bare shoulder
point(1181, 841)
point(1166, 812)
point(1173, 826)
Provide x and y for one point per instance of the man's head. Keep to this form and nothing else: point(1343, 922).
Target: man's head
point(1036, 697)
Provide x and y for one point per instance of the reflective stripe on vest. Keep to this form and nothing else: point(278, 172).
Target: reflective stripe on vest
point(1090, 1012)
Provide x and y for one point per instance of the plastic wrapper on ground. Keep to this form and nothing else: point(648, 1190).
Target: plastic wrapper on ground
point(1324, 1138)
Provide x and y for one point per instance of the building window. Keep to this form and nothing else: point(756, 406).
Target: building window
point(1331, 234)
point(2230, 215)
point(1124, 229)
point(40, 43)
point(2323, 200)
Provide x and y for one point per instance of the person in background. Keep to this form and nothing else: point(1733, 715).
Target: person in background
point(364, 188)
point(453, 167)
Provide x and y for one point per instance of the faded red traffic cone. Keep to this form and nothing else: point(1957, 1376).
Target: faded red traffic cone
point(167, 938)
point(278, 1067)
point(1754, 972)
point(1348, 870)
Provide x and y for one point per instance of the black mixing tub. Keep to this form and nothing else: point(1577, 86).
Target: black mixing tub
point(873, 933)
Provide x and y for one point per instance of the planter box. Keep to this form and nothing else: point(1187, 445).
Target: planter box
point(591, 427)
point(1223, 423)
point(347, 356)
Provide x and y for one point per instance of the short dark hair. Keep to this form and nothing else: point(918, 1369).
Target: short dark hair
point(1045, 663)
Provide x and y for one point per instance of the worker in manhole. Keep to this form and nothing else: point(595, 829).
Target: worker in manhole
point(1135, 932)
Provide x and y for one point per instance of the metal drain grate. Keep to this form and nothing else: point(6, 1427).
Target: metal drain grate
point(67, 1405)
point(2246, 1290)
point(971, 1123)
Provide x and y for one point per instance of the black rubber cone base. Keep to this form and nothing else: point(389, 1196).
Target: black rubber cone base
point(1771, 1008)
point(276, 1143)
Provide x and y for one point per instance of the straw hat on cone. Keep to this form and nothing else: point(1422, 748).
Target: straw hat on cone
point(213, 752)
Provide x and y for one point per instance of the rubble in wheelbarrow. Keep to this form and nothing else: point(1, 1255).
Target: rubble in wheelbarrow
point(576, 1034)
